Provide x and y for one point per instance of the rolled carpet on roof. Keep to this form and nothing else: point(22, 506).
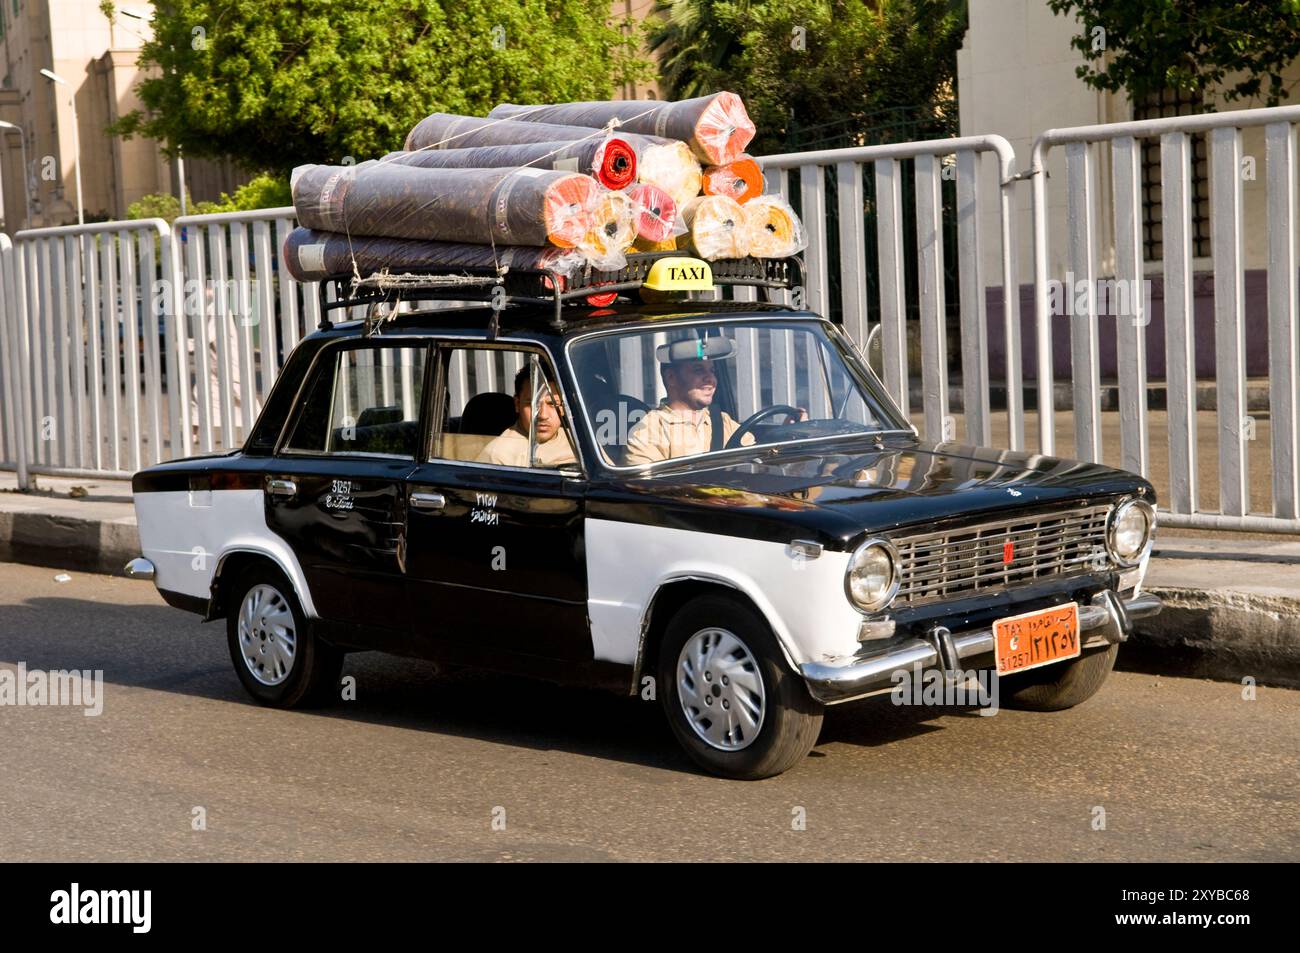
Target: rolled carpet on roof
point(311, 255)
point(521, 206)
point(611, 161)
point(716, 127)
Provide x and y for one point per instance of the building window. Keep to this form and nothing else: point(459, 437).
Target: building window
point(1172, 102)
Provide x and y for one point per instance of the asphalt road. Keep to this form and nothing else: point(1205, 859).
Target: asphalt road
point(421, 764)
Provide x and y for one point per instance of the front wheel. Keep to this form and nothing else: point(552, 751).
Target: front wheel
point(278, 659)
point(1060, 685)
point(730, 697)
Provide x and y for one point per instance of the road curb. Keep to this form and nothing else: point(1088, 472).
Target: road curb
point(68, 542)
point(1219, 634)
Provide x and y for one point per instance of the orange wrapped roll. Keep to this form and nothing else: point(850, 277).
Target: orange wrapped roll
point(773, 229)
point(716, 127)
point(523, 206)
point(741, 180)
point(567, 209)
point(717, 227)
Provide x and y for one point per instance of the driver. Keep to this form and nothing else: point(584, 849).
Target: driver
point(683, 424)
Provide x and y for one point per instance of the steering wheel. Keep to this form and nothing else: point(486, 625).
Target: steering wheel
point(752, 421)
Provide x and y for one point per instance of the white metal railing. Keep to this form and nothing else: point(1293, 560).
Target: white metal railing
point(13, 448)
point(243, 315)
point(86, 362)
point(1227, 247)
point(849, 166)
point(181, 330)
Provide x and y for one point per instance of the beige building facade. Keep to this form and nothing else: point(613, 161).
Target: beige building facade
point(97, 58)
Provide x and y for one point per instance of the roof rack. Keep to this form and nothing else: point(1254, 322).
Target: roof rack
point(506, 286)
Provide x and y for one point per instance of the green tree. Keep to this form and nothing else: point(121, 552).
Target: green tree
point(261, 192)
point(693, 45)
point(809, 63)
point(273, 84)
point(1194, 45)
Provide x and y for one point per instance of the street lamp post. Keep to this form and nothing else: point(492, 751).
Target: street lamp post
point(27, 192)
point(76, 137)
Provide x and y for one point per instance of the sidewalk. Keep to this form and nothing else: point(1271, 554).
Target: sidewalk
point(1232, 603)
point(81, 524)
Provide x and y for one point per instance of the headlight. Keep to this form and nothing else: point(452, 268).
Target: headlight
point(872, 578)
point(1129, 531)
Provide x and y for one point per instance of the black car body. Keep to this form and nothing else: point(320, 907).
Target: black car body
point(579, 573)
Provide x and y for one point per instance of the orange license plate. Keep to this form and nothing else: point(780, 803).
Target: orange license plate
point(1037, 638)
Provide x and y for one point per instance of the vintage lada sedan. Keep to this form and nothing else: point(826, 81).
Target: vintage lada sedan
point(711, 503)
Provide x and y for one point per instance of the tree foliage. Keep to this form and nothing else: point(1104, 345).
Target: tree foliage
point(273, 84)
point(810, 63)
point(1199, 46)
point(261, 192)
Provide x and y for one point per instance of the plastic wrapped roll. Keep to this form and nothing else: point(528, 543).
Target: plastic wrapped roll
point(611, 161)
point(742, 180)
point(716, 227)
point(450, 131)
point(311, 255)
point(773, 228)
point(654, 213)
point(666, 163)
point(612, 229)
point(506, 206)
point(673, 168)
point(716, 127)
point(668, 244)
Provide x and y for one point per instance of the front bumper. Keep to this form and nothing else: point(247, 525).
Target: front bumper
point(1105, 621)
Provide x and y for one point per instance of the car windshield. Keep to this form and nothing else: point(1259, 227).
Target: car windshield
point(688, 390)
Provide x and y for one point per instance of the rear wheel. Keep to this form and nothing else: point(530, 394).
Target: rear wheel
point(730, 697)
point(278, 660)
point(1060, 685)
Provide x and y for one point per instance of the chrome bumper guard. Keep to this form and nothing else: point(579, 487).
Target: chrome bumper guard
point(1105, 621)
point(139, 568)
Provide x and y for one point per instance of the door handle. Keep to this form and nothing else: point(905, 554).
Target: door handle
point(285, 488)
point(428, 501)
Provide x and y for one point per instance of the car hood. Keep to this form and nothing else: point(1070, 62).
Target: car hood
point(846, 489)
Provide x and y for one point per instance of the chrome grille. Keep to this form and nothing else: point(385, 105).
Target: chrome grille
point(967, 560)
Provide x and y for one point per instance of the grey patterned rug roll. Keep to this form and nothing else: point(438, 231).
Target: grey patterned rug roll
point(311, 255)
point(611, 161)
point(716, 127)
point(506, 206)
point(451, 131)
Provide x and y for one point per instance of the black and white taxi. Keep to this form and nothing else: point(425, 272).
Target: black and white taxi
point(716, 500)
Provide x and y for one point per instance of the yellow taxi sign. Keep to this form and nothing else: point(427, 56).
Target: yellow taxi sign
point(679, 273)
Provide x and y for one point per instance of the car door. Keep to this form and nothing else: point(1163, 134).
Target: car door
point(336, 489)
point(495, 562)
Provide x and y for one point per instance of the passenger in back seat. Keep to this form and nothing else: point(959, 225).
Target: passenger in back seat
point(511, 448)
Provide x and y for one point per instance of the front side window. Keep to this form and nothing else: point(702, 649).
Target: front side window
point(502, 407)
point(363, 400)
point(654, 395)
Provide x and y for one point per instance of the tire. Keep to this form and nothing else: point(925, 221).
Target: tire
point(1061, 685)
point(294, 673)
point(789, 719)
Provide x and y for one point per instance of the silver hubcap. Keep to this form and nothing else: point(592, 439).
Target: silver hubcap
point(267, 638)
point(721, 689)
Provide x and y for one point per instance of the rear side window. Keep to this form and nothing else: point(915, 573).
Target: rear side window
point(363, 400)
